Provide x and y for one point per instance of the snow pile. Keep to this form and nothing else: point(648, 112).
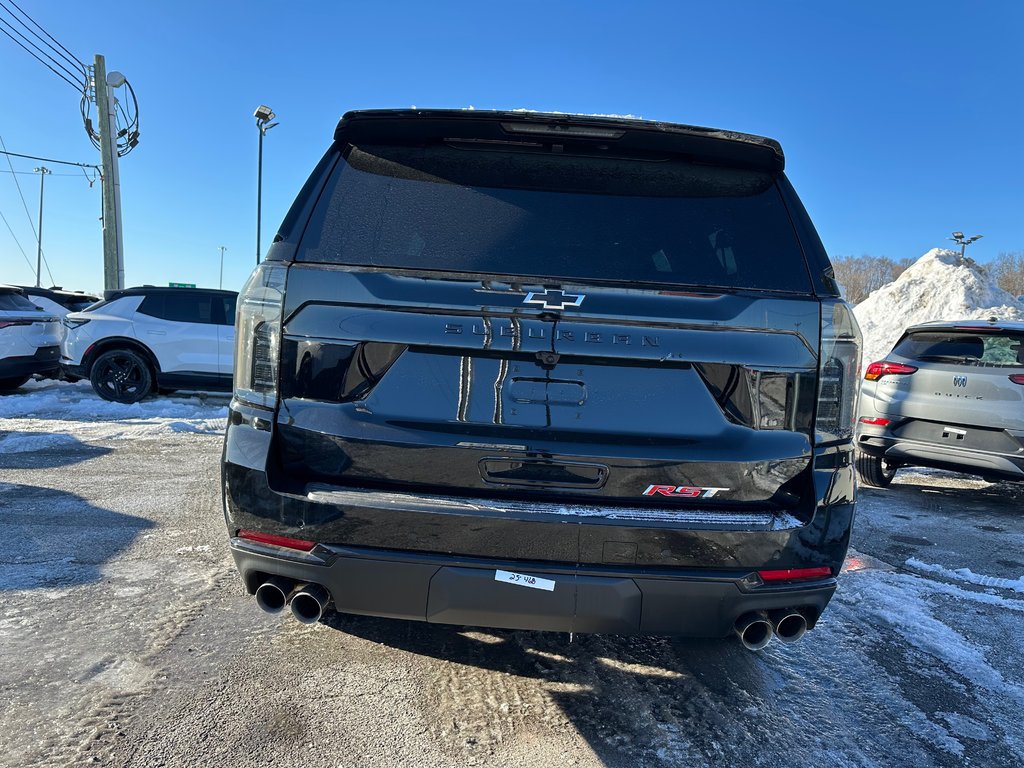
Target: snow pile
point(938, 286)
point(51, 414)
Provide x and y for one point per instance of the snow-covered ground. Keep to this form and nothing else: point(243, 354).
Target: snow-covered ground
point(46, 413)
point(126, 638)
point(938, 286)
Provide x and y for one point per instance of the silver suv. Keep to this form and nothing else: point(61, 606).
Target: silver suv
point(950, 395)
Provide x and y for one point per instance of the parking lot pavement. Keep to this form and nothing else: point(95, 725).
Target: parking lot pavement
point(127, 641)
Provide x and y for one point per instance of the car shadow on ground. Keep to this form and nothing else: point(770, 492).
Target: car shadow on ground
point(44, 450)
point(51, 538)
point(626, 696)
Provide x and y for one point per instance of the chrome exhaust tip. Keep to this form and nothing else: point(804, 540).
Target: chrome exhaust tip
point(789, 624)
point(272, 594)
point(309, 603)
point(754, 630)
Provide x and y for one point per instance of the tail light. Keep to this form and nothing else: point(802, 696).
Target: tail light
point(796, 574)
point(13, 323)
point(877, 370)
point(278, 541)
point(838, 373)
point(258, 335)
point(1017, 378)
point(876, 421)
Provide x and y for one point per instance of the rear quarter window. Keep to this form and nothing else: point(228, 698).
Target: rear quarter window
point(16, 302)
point(1004, 350)
point(515, 213)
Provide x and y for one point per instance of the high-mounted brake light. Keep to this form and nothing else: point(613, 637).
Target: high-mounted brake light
point(1017, 378)
point(882, 368)
point(278, 541)
point(877, 421)
point(796, 574)
point(560, 129)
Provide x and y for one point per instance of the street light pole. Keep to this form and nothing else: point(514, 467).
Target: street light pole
point(963, 242)
point(222, 249)
point(263, 115)
point(42, 171)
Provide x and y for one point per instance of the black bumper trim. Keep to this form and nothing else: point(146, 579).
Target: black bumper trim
point(449, 590)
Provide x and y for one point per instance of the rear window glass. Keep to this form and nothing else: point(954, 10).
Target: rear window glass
point(181, 307)
point(15, 302)
point(545, 215)
point(1004, 350)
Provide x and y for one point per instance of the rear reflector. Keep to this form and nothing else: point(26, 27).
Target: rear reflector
point(796, 574)
point(883, 368)
point(278, 541)
point(876, 420)
point(1017, 378)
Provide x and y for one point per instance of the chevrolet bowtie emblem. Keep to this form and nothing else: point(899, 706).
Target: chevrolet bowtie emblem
point(554, 299)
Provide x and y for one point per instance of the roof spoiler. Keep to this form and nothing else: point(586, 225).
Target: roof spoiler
point(625, 135)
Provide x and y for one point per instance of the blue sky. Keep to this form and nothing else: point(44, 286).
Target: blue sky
point(900, 121)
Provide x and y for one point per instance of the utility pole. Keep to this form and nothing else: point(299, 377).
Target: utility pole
point(222, 249)
point(106, 108)
point(42, 171)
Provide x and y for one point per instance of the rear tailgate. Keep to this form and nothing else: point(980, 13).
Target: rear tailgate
point(636, 396)
point(962, 393)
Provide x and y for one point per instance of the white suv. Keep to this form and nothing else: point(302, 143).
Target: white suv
point(143, 339)
point(29, 339)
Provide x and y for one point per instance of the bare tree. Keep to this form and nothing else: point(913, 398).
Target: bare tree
point(860, 275)
point(1008, 269)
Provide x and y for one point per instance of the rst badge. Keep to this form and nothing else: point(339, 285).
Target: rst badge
point(682, 491)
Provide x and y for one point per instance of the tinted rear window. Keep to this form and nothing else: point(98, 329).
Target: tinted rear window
point(964, 348)
point(184, 307)
point(546, 215)
point(15, 302)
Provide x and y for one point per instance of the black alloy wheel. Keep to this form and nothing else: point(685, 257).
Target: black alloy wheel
point(121, 376)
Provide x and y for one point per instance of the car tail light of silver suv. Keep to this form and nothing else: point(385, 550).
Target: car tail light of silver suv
point(258, 335)
point(838, 373)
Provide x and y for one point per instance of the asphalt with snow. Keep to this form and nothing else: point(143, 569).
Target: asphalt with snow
point(127, 640)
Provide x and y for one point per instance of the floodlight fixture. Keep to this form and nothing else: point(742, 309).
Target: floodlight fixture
point(263, 114)
point(959, 239)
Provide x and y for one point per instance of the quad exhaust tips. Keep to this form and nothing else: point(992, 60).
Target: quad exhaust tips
point(754, 630)
point(309, 603)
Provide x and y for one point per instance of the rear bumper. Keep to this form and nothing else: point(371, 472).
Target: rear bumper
point(45, 360)
point(922, 454)
point(430, 558)
point(443, 589)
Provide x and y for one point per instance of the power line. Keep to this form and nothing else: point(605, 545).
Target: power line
point(67, 55)
point(30, 173)
point(69, 81)
point(60, 65)
point(18, 243)
point(29, 215)
point(49, 160)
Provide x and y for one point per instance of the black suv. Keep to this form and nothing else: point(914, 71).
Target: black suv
point(546, 372)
